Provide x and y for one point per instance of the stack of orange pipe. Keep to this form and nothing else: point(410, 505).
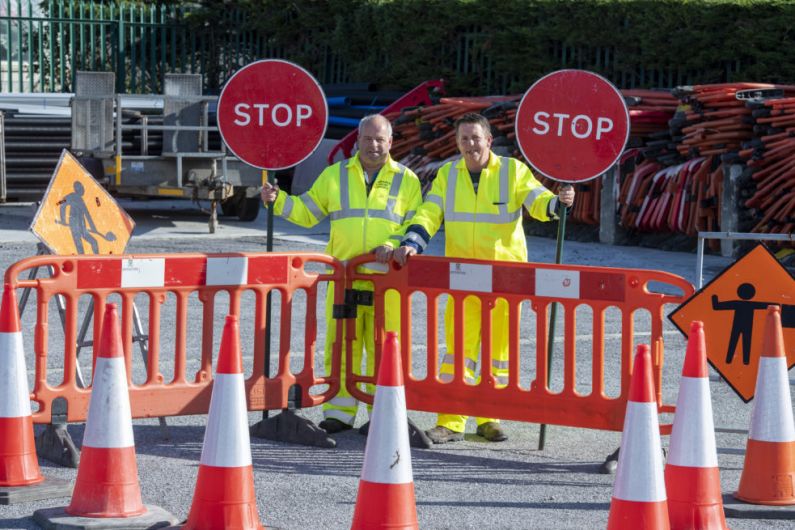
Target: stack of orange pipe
point(771, 156)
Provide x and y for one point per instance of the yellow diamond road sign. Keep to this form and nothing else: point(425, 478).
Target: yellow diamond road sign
point(733, 308)
point(78, 216)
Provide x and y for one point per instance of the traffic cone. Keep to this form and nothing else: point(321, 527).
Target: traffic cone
point(386, 487)
point(639, 491)
point(107, 477)
point(224, 495)
point(18, 463)
point(769, 469)
point(692, 479)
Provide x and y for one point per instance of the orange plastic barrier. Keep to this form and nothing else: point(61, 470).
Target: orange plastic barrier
point(181, 275)
point(600, 288)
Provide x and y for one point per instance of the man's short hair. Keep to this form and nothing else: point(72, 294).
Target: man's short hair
point(375, 117)
point(473, 118)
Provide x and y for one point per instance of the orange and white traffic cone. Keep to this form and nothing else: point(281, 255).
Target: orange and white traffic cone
point(224, 495)
point(639, 491)
point(107, 487)
point(20, 477)
point(692, 478)
point(18, 463)
point(769, 470)
point(107, 477)
point(386, 487)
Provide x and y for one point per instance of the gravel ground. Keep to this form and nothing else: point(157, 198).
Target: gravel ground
point(472, 484)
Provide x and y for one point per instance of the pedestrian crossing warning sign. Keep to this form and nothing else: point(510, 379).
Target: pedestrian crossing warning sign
point(78, 216)
point(733, 308)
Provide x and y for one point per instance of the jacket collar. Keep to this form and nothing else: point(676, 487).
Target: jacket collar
point(493, 164)
point(390, 164)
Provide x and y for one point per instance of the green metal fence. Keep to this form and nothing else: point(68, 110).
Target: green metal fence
point(43, 44)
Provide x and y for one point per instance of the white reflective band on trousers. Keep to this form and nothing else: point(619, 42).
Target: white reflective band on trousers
point(693, 436)
point(109, 423)
point(639, 476)
point(14, 393)
point(387, 458)
point(771, 418)
point(226, 441)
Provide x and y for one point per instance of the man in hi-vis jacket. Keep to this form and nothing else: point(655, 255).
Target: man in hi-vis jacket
point(369, 199)
point(479, 198)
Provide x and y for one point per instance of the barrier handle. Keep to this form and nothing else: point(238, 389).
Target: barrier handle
point(553, 314)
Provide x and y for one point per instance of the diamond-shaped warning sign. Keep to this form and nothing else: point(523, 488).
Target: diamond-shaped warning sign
point(733, 308)
point(78, 216)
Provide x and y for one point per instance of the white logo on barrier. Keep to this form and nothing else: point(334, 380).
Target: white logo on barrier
point(557, 283)
point(227, 271)
point(148, 272)
point(470, 277)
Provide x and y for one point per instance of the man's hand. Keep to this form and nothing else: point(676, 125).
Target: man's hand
point(269, 192)
point(401, 255)
point(383, 253)
point(566, 195)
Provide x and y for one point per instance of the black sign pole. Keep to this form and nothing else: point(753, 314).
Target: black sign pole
point(553, 313)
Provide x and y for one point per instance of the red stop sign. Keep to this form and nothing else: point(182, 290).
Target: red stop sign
point(272, 114)
point(572, 125)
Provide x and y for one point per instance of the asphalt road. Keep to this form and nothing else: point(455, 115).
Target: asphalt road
point(471, 484)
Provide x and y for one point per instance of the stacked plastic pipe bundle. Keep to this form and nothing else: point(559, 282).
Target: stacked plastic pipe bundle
point(771, 158)
point(715, 121)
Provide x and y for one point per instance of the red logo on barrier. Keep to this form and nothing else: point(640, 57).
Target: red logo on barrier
point(572, 125)
point(272, 114)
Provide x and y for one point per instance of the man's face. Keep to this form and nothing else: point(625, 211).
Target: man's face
point(474, 144)
point(374, 143)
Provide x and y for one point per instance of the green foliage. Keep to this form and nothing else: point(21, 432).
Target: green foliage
point(483, 46)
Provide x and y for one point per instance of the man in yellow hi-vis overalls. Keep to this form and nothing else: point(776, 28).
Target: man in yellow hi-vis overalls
point(479, 198)
point(370, 200)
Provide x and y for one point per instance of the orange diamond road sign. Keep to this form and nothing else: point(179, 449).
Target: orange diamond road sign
point(733, 307)
point(78, 216)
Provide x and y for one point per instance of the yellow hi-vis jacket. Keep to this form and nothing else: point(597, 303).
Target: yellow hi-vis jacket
point(359, 222)
point(486, 225)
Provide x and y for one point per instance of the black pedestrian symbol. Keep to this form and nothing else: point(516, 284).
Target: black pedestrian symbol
point(743, 321)
point(79, 221)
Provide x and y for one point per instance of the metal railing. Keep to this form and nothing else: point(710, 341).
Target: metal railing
point(735, 236)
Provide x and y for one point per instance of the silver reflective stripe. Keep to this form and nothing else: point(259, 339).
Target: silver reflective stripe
point(391, 202)
point(502, 379)
point(347, 213)
point(470, 364)
point(409, 214)
point(503, 217)
point(343, 401)
point(345, 201)
point(499, 365)
point(288, 207)
point(338, 415)
point(413, 236)
point(495, 218)
point(470, 380)
point(551, 207)
point(505, 167)
point(388, 215)
point(532, 196)
point(449, 359)
point(446, 378)
point(452, 181)
point(312, 206)
point(435, 199)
